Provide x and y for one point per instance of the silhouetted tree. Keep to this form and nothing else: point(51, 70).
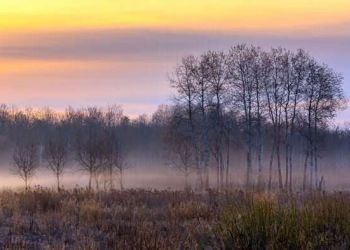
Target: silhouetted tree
point(179, 148)
point(89, 144)
point(56, 152)
point(26, 160)
point(323, 96)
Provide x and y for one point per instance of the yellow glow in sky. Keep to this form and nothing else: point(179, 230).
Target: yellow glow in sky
point(55, 52)
point(27, 15)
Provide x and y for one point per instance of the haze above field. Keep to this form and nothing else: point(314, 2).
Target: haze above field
point(60, 53)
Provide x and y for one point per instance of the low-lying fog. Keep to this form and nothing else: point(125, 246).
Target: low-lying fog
point(155, 178)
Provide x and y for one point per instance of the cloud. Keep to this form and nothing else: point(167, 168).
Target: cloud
point(103, 44)
point(157, 44)
point(137, 47)
point(121, 65)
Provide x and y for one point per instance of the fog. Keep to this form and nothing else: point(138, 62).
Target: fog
point(244, 118)
point(160, 178)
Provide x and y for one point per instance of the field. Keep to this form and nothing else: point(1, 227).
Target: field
point(143, 219)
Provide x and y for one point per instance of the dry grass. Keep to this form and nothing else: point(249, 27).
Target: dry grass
point(141, 219)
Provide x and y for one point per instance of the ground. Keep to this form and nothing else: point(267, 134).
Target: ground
point(142, 219)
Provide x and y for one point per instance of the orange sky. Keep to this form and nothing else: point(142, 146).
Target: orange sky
point(57, 53)
point(31, 15)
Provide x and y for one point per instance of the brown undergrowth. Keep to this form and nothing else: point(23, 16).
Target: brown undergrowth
point(143, 219)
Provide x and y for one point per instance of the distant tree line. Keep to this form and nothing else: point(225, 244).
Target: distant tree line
point(88, 137)
point(268, 112)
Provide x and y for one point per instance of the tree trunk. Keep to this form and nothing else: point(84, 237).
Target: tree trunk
point(58, 182)
point(207, 177)
point(260, 174)
point(249, 169)
point(315, 149)
point(227, 163)
point(200, 177)
point(291, 148)
point(271, 165)
point(217, 172)
point(222, 171)
point(26, 183)
point(311, 168)
point(206, 157)
point(121, 180)
point(278, 154)
point(287, 161)
point(110, 177)
point(90, 181)
point(199, 170)
point(290, 169)
point(186, 181)
point(305, 170)
point(249, 152)
point(316, 167)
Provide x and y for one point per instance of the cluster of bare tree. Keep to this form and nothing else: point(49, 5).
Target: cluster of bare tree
point(273, 99)
point(61, 142)
point(267, 112)
point(87, 136)
point(99, 151)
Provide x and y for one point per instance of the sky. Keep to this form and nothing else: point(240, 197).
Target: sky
point(102, 52)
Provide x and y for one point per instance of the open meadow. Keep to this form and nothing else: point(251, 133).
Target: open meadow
point(143, 219)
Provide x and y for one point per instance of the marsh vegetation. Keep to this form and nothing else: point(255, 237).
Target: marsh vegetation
point(141, 219)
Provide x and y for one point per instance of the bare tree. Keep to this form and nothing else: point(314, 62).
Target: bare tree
point(113, 118)
point(217, 77)
point(270, 92)
point(260, 75)
point(56, 153)
point(179, 149)
point(275, 91)
point(201, 76)
point(89, 145)
point(183, 80)
point(119, 162)
point(323, 96)
point(115, 157)
point(241, 60)
point(26, 160)
point(297, 84)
